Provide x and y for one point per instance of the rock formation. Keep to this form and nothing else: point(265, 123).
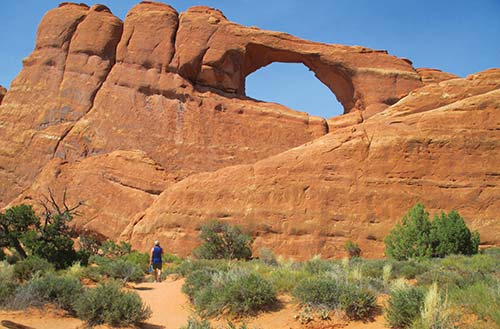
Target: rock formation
point(3, 91)
point(147, 121)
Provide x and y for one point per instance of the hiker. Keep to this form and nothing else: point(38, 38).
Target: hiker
point(156, 253)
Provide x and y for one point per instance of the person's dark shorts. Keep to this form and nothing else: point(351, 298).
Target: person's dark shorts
point(156, 266)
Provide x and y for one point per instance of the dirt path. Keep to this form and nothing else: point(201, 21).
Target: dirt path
point(171, 308)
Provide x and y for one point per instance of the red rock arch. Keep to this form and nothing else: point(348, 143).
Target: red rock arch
point(336, 79)
point(225, 53)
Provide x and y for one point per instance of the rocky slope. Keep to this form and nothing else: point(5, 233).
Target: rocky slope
point(147, 121)
point(3, 91)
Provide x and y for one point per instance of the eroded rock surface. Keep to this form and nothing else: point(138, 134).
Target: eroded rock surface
point(355, 182)
point(3, 91)
point(147, 121)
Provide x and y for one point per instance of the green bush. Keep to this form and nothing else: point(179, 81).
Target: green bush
point(316, 265)
point(141, 259)
point(197, 324)
point(318, 291)
point(171, 258)
point(324, 291)
point(481, 299)
point(410, 269)
point(107, 303)
point(410, 238)
point(223, 241)
point(357, 302)
point(59, 290)
point(352, 249)
point(404, 306)
point(249, 294)
point(268, 257)
point(284, 279)
point(28, 268)
point(25, 296)
point(372, 268)
point(236, 291)
point(117, 268)
point(196, 281)
point(416, 236)
point(188, 266)
point(204, 324)
point(7, 284)
point(111, 249)
point(123, 270)
point(450, 235)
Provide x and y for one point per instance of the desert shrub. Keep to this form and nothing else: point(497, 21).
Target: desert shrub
point(324, 291)
point(92, 273)
point(268, 257)
point(372, 268)
point(123, 270)
point(236, 291)
point(117, 268)
point(411, 268)
point(480, 298)
point(318, 291)
point(357, 302)
point(107, 303)
point(141, 259)
point(171, 258)
point(442, 277)
point(25, 296)
point(60, 290)
point(189, 266)
point(111, 249)
point(493, 251)
point(7, 284)
point(477, 263)
point(26, 269)
point(404, 306)
point(316, 265)
point(75, 271)
point(204, 324)
point(284, 279)
point(435, 313)
point(197, 324)
point(249, 293)
point(416, 236)
point(223, 241)
point(352, 249)
point(196, 281)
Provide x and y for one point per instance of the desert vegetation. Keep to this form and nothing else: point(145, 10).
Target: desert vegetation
point(430, 269)
point(437, 280)
point(41, 265)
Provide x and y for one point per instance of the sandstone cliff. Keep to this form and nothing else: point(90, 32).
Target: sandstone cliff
point(3, 91)
point(147, 121)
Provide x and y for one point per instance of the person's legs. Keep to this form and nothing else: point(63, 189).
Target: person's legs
point(157, 271)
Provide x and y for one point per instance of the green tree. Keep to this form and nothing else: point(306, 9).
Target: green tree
point(417, 236)
point(49, 238)
point(450, 235)
point(223, 241)
point(411, 237)
point(14, 224)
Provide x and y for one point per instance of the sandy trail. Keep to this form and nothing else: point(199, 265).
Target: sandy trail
point(171, 308)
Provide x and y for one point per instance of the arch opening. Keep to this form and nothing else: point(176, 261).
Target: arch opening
point(295, 86)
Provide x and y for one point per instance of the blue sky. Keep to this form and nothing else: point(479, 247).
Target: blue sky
point(457, 36)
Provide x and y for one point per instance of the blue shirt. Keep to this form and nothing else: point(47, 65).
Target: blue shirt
point(157, 252)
